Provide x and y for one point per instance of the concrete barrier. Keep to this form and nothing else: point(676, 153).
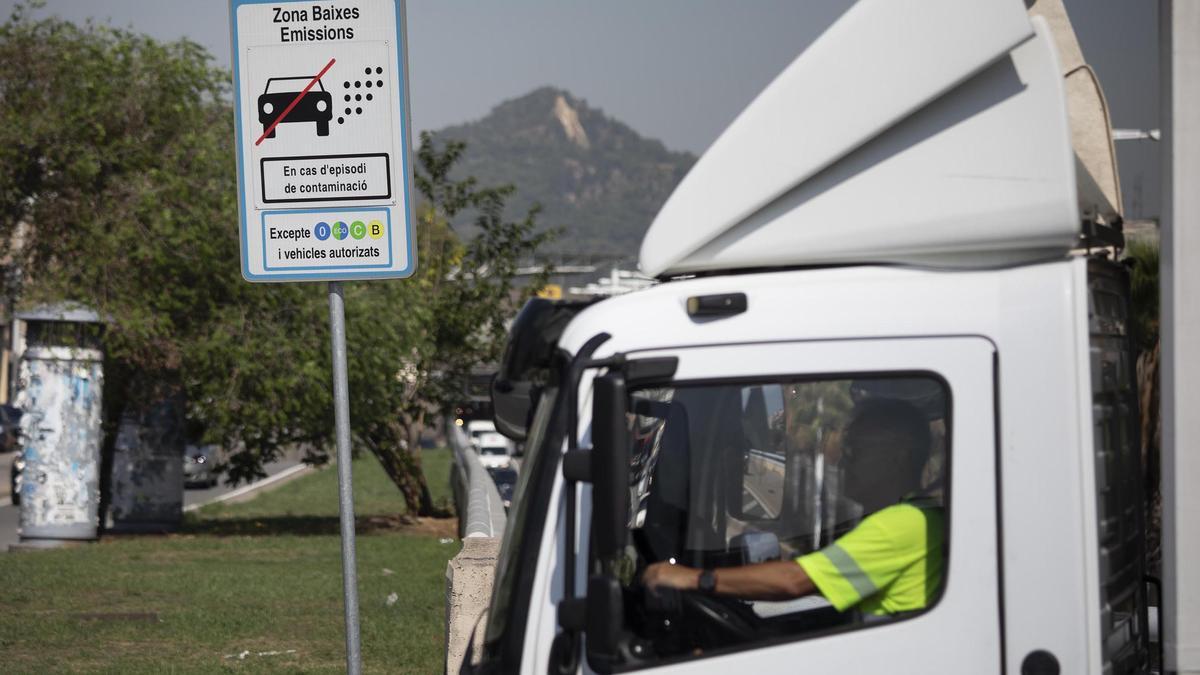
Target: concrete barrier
point(480, 509)
point(469, 577)
point(469, 574)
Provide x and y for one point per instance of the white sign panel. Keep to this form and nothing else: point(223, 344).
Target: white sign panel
point(322, 140)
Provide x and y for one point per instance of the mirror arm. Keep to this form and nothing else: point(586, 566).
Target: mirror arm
point(565, 653)
point(577, 465)
point(572, 614)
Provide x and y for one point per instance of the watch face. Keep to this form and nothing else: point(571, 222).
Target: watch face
point(708, 581)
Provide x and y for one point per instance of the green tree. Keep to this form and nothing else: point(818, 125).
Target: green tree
point(1142, 257)
point(416, 343)
point(1143, 260)
point(117, 190)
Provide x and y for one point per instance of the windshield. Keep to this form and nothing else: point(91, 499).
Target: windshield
point(731, 474)
point(786, 444)
point(518, 519)
point(494, 450)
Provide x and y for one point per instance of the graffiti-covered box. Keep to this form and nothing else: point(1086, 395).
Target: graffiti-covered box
point(60, 384)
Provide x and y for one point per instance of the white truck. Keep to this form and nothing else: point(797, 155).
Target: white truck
point(915, 210)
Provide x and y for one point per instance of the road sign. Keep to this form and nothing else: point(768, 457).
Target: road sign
point(321, 99)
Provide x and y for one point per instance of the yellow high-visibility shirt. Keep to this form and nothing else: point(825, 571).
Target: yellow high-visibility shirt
point(892, 562)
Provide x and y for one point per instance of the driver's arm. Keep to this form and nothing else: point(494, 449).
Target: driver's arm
point(776, 580)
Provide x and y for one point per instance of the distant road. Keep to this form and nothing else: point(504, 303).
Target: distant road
point(10, 516)
point(193, 498)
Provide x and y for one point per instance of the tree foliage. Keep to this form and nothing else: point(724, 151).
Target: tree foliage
point(1143, 280)
point(118, 190)
point(416, 343)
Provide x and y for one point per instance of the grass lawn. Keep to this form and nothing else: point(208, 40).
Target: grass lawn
point(251, 587)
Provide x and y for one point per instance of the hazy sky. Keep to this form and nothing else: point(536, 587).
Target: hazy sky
point(676, 70)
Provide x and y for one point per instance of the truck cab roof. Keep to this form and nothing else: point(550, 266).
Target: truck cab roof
point(885, 146)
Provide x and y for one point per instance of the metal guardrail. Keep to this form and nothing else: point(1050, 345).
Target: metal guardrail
point(480, 509)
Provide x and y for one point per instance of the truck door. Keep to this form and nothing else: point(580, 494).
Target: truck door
point(825, 453)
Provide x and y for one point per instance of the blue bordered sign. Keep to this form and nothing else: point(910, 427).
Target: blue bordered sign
point(322, 123)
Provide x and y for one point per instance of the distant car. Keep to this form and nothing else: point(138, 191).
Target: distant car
point(506, 483)
point(14, 477)
point(10, 440)
point(495, 451)
point(477, 428)
point(316, 106)
point(10, 427)
point(198, 463)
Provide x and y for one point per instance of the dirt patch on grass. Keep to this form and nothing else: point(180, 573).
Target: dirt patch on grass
point(433, 527)
point(303, 525)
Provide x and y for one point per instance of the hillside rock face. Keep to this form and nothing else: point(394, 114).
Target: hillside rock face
point(569, 119)
point(595, 177)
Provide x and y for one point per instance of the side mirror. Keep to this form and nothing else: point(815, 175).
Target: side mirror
point(610, 466)
point(528, 356)
point(512, 403)
point(610, 519)
point(605, 466)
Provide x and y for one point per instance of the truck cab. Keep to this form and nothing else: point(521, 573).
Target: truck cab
point(945, 249)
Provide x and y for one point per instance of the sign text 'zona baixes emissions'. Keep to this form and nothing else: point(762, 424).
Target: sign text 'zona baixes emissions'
point(322, 134)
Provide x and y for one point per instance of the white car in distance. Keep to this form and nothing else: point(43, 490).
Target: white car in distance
point(477, 428)
point(495, 450)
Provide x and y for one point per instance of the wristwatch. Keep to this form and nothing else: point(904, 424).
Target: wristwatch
point(707, 582)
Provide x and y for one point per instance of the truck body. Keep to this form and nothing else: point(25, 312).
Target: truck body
point(919, 221)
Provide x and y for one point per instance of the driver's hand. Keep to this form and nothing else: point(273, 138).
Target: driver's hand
point(666, 575)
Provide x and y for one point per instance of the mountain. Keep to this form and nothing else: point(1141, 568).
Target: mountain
point(595, 177)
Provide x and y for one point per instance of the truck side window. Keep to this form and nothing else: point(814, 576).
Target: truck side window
point(842, 477)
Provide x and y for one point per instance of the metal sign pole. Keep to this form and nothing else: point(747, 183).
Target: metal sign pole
point(323, 190)
point(341, 408)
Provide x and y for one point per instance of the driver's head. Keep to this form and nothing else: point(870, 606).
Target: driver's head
point(884, 450)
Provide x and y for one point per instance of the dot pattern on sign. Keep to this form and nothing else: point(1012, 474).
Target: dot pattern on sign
point(358, 96)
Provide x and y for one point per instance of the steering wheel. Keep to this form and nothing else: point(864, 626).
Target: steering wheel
point(718, 621)
point(698, 620)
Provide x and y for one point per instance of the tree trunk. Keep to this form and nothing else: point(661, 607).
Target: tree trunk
point(403, 466)
point(416, 425)
point(1149, 401)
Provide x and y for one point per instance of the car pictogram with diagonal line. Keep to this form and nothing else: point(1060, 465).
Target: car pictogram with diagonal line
point(316, 106)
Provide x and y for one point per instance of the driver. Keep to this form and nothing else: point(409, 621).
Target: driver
point(890, 563)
